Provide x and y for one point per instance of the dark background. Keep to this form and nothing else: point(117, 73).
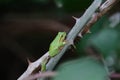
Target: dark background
point(28, 26)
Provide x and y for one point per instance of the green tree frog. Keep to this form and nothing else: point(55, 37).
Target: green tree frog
point(57, 44)
point(54, 48)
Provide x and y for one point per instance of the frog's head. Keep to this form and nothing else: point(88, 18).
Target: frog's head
point(62, 35)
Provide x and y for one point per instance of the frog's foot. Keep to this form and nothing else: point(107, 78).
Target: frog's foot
point(60, 48)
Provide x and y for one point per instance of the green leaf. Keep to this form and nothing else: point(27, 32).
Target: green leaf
point(82, 69)
point(105, 41)
point(82, 45)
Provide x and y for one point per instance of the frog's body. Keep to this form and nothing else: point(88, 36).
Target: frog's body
point(57, 44)
point(54, 48)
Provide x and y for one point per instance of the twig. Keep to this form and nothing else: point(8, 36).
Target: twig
point(40, 75)
point(115, 75)
point(79, 27)
point(32, 67)
point(104, 8)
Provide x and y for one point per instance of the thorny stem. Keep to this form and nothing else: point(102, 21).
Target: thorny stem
point(104, 8)
point(77, 28)
point(82, 26)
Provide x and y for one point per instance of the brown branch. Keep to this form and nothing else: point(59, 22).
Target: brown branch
point(32, 67)
point(15, 27)
point(40, 75)
point(115, 75)
point(104, 8)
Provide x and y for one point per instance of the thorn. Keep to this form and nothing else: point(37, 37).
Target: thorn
point(75, 18)
point(74, 46)
point(72, 43)
point(29, 62)
point(80, 35)
point(88, 31)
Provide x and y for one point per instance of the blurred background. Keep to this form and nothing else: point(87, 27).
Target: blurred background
point(28, 26)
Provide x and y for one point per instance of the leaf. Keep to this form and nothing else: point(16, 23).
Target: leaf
point(82, 45)
point(105, 41)
point(82, 69)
